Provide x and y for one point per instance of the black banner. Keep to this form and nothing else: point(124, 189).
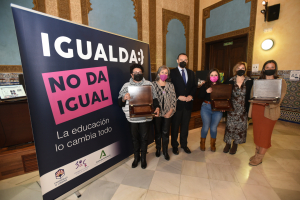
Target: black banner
point(73, 74)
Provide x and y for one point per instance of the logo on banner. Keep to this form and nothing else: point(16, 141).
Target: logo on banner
point(124, 54)
point(80, 163)
point(102, 154)
point(75, 93)
point(59, 174)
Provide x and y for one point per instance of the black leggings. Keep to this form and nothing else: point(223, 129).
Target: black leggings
point(162, 127)
point(139, 133)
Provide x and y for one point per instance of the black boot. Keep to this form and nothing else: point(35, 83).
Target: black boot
point(136, 160)
point(227, 148)
point(167, 157)
point(233, 149)
point(143, 160)
point(157, 154)
point(165, 152)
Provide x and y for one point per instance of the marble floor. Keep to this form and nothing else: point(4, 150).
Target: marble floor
point(200, 175)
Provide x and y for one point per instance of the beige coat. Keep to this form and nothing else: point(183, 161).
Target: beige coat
point(272, 111)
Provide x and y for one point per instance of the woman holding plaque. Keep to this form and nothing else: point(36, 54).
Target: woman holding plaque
point(140, 125)
point(264, 116)
point(236, 126)
point(166, 96)
point(210, 118)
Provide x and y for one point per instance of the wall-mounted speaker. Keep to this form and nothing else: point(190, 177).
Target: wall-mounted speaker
point(273, 12)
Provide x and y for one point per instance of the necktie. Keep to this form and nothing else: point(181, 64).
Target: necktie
point(183, 76)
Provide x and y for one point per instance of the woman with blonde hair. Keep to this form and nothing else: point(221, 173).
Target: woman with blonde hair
point(236, 125)
point(166, 96)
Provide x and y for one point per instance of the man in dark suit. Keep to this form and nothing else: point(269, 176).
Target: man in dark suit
point(185, 86)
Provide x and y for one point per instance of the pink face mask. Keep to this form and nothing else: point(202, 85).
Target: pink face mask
point(163, 77)
point(214, 79)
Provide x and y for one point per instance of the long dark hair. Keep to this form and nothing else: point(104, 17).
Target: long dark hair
point(208, 82)
point(262, 74)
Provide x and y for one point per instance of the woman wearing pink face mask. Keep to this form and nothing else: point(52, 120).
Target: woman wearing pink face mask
point(210, 118)
point(167, 100)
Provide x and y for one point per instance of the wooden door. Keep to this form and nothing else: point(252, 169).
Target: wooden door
point(224, 54)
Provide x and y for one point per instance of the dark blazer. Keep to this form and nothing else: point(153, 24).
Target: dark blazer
point(249, 84)
point(182, 89)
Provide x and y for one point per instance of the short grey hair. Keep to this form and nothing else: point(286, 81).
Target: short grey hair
point(159, 70)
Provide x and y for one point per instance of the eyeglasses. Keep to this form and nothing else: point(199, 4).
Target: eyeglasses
point(136, 73)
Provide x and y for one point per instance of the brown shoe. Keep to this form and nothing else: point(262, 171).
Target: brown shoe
point(202, 144)
point(256, 152)
point(233, 149)
point(227, 148)
point(256, 160)
point(213, 144)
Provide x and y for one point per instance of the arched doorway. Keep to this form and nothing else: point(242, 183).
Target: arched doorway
point(175, 42)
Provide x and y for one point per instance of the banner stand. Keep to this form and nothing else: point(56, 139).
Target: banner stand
point(79, 187)
point(73, 75)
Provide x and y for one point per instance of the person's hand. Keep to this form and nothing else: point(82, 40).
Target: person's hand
point(189, 98)
point(182, 98)
point(201, 83)
point(209, 90)
point(156, 112)
point(168, 114)
point(223, 110)
point(126, 97)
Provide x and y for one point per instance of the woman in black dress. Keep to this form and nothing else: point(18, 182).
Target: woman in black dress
point(236, 126)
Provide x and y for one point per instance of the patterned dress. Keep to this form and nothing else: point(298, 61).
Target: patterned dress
point(236, 126)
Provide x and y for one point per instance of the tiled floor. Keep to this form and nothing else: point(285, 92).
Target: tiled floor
point(200, 175)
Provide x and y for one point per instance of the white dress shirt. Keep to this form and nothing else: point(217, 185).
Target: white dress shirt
point(185, 71)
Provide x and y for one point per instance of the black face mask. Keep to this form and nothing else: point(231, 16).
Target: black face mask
point(138, 77)
point(182, 64)
point(269, 72)
point(240, 72)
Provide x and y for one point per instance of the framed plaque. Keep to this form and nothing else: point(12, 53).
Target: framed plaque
point(221, 97)
point(141, 101)
point(266, 91)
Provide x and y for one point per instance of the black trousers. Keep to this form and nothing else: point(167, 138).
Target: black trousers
point(162, 128)
point(139, 133)
point(181, 119)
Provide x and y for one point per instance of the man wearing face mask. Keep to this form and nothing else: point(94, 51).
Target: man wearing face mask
point(139, 126)
point(184, 82)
